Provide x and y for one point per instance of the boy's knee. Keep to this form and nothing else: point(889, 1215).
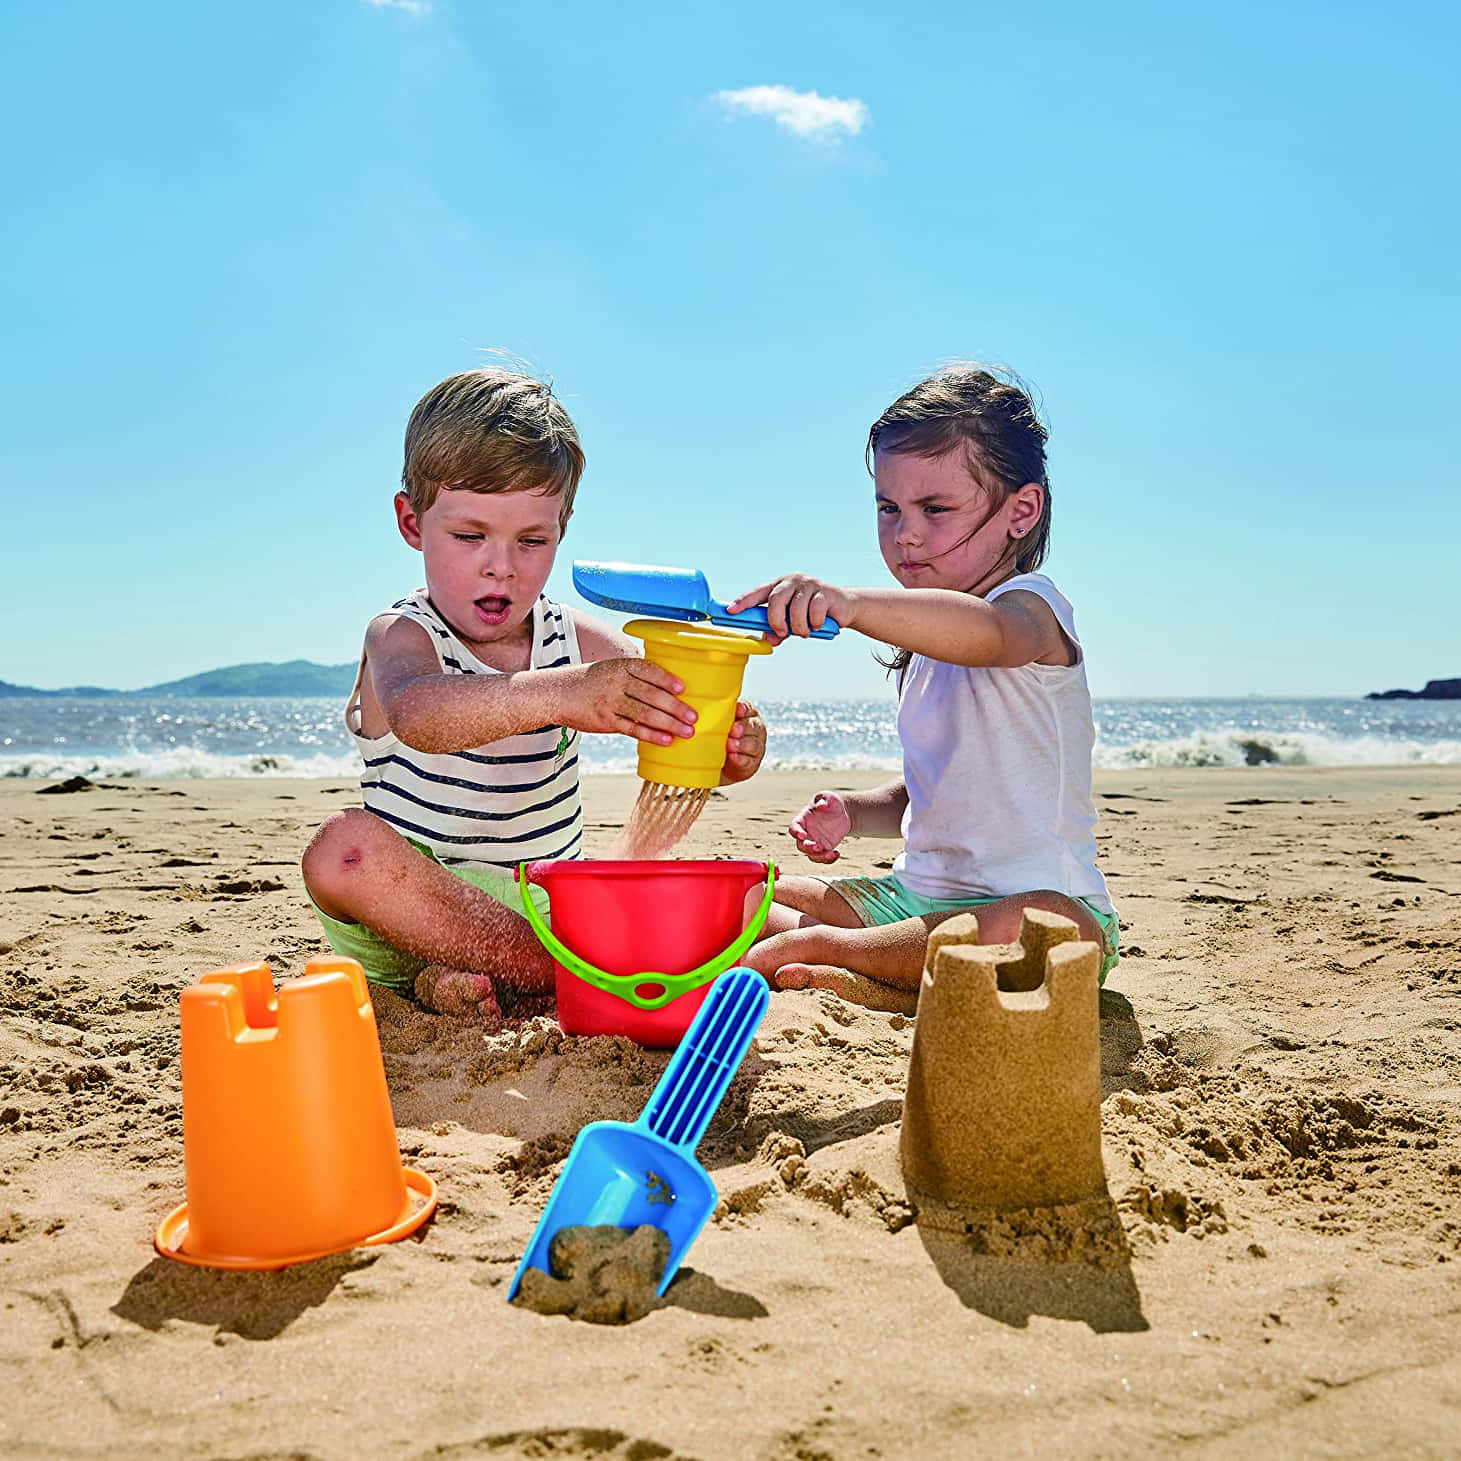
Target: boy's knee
point(340, 850)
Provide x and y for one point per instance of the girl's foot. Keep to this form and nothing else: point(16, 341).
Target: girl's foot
point(450, 991)
point(854, 988)
point(792, 946)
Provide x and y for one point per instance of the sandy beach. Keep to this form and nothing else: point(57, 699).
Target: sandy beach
point(1281, 1070)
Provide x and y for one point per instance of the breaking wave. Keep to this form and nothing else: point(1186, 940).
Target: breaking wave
point(157, 739)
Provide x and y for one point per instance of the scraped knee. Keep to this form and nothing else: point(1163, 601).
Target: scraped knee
point(339, 852)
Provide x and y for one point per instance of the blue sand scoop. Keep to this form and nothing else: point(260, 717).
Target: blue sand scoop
point(668, 593)
point(627, 1175)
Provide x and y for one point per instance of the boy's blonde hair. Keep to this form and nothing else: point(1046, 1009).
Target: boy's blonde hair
point(491, 431)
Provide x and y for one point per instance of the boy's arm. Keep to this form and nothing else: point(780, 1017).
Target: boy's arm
point(439, 713)
point(1018, 628)
point(598, 641)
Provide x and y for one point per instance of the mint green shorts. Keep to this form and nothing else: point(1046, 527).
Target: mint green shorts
point(888, 900)
point(387, 965)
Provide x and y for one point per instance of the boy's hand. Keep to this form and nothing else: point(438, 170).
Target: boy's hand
point(631, 697)
point(745, 745)
point(797, 604)
point(820, 826)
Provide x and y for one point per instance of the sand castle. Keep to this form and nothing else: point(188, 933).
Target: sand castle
point(1003, 1108)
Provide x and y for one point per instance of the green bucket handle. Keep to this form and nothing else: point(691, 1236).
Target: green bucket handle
point(671, 986)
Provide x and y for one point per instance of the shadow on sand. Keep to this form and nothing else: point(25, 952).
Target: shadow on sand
point(1010, 1290)
point(252, 1305)
point(700, 1294)
point(1121, 1042)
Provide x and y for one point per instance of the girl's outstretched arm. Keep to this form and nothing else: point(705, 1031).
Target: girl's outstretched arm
point(1019, 628)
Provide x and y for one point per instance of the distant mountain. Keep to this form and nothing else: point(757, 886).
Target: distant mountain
point(9, 691)
point(1434, 690)
point(297, 677)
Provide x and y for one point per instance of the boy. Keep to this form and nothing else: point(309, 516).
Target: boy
point(468, 706)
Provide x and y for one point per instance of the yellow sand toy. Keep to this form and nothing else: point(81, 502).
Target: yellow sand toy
point(712, 664)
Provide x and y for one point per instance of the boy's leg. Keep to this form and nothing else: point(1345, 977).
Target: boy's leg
point(360, 870)
point(799, 903)
point(821, 957)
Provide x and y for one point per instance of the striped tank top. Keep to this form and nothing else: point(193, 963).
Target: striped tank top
point(515, 800)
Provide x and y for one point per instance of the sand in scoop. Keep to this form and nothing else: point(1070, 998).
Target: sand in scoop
point(602, 1275)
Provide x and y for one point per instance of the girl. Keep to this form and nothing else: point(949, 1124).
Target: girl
point(994, 715)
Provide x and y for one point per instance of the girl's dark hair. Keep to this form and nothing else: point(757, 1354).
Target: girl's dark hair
point(991, 418)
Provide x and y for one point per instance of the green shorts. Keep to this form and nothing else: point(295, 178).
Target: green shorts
point(887, 900)
point(389, 966)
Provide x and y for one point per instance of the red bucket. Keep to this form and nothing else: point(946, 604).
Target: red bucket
point(637, 944)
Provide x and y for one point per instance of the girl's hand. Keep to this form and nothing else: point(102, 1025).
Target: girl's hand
point(745, 745)
point(797, 604)
point(820, 826)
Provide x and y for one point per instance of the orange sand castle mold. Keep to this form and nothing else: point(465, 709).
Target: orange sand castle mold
point(288, 1138)
point(1003, 1107)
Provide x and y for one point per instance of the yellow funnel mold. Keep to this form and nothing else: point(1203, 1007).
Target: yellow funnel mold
point(712, 664)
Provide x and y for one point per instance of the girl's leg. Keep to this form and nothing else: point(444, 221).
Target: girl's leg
point(999, 923)
point(891, 954)
point(360, 870)
point(821, 957)
point(801, 902)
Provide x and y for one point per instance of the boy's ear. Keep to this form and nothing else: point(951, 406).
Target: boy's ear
point(406, 520)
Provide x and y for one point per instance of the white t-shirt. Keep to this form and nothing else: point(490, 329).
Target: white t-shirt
point(997, 763)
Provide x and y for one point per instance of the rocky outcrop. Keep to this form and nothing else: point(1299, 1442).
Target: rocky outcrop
point(1434, 690)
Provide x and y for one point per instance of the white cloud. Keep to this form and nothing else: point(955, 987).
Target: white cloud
point(409, 7)
point(802, 112)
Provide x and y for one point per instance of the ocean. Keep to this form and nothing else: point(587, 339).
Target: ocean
point(162, 738)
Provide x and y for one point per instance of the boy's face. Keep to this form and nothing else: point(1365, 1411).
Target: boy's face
point(488, 555)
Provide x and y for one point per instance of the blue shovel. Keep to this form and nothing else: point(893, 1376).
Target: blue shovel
point(668, 593)
point(626, 1175)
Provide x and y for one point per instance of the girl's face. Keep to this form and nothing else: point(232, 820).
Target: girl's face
point(935, 524)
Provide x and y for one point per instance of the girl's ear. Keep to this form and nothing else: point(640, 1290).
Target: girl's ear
point(406, 520)
point(1026, 506)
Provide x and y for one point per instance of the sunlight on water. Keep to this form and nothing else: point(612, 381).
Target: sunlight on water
point(170, 738)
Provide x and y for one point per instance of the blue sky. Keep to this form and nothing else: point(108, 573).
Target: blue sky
point(239, 242)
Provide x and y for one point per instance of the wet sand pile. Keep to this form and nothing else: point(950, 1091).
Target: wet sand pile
point(1277, 1261)
point(600, 1275)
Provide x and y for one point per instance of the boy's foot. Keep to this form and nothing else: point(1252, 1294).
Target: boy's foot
point(457, 992)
